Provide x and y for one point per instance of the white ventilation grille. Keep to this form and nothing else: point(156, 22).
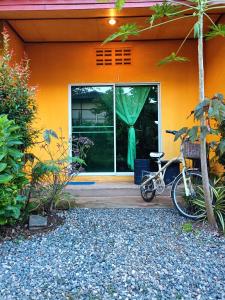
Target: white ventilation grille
point(117, 56)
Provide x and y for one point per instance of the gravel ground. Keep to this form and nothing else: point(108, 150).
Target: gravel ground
point(115, 254)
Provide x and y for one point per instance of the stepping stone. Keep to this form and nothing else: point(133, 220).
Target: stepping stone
point(37, 222)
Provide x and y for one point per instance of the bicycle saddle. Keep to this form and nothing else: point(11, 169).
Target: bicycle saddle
point(157, 154)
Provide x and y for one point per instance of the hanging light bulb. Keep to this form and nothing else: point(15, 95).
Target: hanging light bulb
point(112, 21)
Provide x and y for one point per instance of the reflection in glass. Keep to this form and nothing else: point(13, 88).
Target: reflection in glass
point(92, 116)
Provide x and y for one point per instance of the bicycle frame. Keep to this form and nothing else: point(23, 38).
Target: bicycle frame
point(161, 172)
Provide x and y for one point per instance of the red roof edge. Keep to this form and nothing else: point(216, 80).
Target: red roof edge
point(25, 5)
point(45, 5)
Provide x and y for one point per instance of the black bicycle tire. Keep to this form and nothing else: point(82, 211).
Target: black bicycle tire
point(147, 199)
point(175, 184)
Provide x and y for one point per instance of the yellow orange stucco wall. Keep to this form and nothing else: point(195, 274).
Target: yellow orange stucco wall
point(215, 70)
point(215, 65)
point(54, 66)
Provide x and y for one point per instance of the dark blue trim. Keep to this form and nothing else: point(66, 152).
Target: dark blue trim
point(81, 183)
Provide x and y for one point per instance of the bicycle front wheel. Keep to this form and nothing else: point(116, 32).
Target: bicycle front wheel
point(147, 190)
point(191, 206)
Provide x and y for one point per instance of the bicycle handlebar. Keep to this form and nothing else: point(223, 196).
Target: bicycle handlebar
point(174, 132)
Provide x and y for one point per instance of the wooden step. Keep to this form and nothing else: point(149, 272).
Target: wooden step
point(122, 202)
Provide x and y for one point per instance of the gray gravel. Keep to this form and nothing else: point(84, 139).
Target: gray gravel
point(115, 254)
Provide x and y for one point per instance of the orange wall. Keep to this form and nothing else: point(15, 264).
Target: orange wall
point(215, 65)
point(15, 43)
point(55, 66)
point(215, 70)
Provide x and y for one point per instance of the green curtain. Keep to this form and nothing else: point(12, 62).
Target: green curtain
point(129, 103)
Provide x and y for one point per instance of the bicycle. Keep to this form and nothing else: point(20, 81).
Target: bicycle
point(186, 189)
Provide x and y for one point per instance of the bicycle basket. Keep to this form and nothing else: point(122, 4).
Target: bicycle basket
point(191, 150)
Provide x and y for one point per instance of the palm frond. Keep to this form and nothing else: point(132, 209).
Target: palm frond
point(216, 30)
point(172, 58)
point(123, 33)
point(164, 10)
point(118, 3)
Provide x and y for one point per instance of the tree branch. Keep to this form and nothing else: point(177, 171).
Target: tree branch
point(163, 23)
point(210, 19)
point(178, 50)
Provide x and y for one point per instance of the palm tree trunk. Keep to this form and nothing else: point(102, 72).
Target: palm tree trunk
point(204, 167)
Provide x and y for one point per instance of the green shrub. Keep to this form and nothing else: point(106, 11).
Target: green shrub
point(12, 177)
point(213, 111)
point(16, 96)
point(218, 203)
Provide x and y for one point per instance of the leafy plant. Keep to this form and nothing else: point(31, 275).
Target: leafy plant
point(80, 148)
point(187, 227)
point(216, 30)
point(218, 204)
point(49, 178)
point(213, 112)
point(172, 58)
point(36, 170)
point(16, 96)
point(123, 33)
point(12, 177)
point(164, 10)
point(118, 3)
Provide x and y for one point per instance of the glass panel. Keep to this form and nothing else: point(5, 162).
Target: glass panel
point(146, 128)
point(92, 117)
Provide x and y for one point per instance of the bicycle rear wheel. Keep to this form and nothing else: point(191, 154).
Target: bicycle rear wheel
point(147, 190)
point(193, 206)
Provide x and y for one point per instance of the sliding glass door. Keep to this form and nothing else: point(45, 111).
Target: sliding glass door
point(121, 120)
point(142, 103)
point(92, 117)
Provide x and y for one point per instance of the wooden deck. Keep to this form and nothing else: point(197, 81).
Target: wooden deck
point(115, 195)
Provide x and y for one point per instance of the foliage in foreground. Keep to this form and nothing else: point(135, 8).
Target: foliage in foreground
point(16, 96)
point(213, 112)
point(49, 177)
point(12, 177)
point(218, 204)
